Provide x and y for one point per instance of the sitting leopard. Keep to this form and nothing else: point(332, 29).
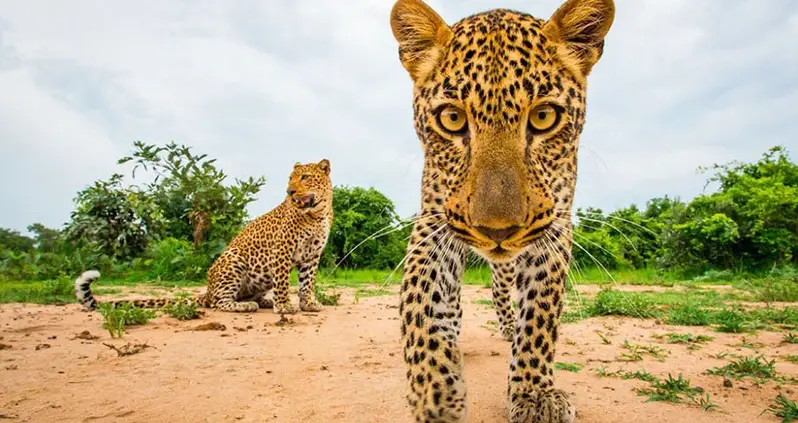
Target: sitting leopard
point(261, 256)
point(499, 105)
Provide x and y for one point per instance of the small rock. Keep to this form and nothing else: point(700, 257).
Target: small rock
point(727, 383)
point(42, 347)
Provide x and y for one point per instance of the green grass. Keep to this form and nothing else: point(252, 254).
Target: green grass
point(327, 299)
point(685, 338)
point(639, 375)
point(789, 338)
point(609, 302)
point(116, 319)
point(569, 367)
point(674, 390)
point(636, 352)
point(183, 310)
point(57, 291)
point(687, 314)
point(758, 368)
point(783, 407)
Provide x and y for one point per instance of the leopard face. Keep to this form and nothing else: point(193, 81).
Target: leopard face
point(499, 105)
point(309, 187)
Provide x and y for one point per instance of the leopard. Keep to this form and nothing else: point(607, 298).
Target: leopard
point(499, 105)
point(260, 258)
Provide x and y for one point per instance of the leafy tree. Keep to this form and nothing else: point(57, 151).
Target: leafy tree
point(11, 240)
point(47, 239)
point(360, 213)
point(189, 192)
point(105, 215)
point(751, 221)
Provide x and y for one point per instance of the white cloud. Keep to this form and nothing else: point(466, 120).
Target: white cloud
point(261, 85)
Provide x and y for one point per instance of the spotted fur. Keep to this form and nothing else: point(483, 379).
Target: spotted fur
point(501, 186)
point(260, 258)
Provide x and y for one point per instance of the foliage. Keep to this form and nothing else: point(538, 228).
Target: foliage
point(13, 241)
point(106, 215)
point(361, 213)
point(175, 259)
point(187, 197)
point(184, 309)
point(116, 318)
point(783, 407)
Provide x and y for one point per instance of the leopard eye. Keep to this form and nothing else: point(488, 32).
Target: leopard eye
point(452, 119)
point(543, 118)
point(302, 178)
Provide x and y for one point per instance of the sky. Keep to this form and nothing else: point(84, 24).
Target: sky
point(260, 85)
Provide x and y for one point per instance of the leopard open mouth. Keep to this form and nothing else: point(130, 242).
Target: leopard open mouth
point(306, 201)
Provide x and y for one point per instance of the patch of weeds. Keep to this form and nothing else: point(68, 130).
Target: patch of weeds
point(774, 290)
point(609, 302)
point(183, 310)
point(672, 389)
point(705, 403)
point(685, 338)
point(639, 375)
point(755, 367)
point(107, 291)
point(603, 372)
point(637, 351)
point(569, 367)
point(573, 316)
point(791, 358)
point(687, 314)
point(327, 299)
point(745, 343)
point(789, 338)
point(116, 318)
point(484, 302)
point(782, 407)
point(786, 317)
point(604, 339)
point(730, 321)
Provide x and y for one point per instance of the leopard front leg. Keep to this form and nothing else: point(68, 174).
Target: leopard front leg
point(430, 314)
point(503, 275)
point(282, 274)
point(540, 281)
point(307, 285)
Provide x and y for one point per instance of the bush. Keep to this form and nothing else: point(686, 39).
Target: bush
point(175, 259)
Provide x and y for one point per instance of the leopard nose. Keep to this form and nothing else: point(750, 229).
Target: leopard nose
point(498, 235)
point(291, 191)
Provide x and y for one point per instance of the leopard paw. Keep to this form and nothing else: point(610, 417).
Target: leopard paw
point(311, 306)
point(285, 308)
point(549, 406)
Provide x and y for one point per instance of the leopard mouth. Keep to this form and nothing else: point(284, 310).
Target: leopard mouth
point(306, 201)
point(499, 251)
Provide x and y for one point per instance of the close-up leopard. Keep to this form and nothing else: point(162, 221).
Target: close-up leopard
point(499, 102)
point(260, 258)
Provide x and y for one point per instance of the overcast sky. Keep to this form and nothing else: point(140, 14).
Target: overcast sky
point(262, 84)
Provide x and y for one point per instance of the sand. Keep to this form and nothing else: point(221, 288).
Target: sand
point(340, 365)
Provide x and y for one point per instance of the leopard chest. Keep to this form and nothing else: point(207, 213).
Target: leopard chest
point(311, 241)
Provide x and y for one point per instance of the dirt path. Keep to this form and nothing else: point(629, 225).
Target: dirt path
point(341, 365)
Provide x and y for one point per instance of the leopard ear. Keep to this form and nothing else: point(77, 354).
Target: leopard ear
point(581, 25)
point(297, 164)
point(421, 34)
point(325, 166)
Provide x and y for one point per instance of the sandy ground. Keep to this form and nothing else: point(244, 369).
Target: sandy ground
point(340, 365)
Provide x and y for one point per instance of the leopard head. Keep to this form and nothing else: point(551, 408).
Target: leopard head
point(309, 187)
point(499, 104)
